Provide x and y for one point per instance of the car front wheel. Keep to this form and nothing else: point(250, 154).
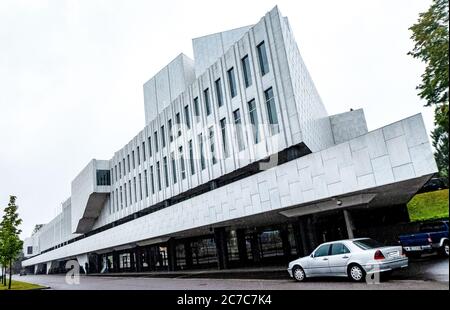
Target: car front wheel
point(356, 273)
point(298, 273)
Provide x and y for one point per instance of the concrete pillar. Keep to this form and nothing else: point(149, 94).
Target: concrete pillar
point(139, 262)
point(242, 246)
point(172, 254)
point(188, 253)
point(82, 260)
point(48, 267)
point(151, 258)
point(256, 253)
point(298, 236)
point(116, 262)
point(36, 268)
point(220, 238)
point(349, 224)
point(132, 260)
point(284, 235)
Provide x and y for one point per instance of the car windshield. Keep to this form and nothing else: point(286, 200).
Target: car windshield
point(367, 244)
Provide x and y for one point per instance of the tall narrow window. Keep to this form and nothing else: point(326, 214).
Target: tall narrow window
point(128, 162)
point(146, 183)
point(174, 170)
point(133, 160)
point(131, 198)
point(135, 191)
point(149, 147)
point(182, 164)
point(223, 130)
point(138, 152)
point(207, 103)
point(218, 85)
point(169, 122)
point(120, 170)
point(158, 175)
point(155, 137)
point(238, 128)
point(124, 168)
point(111, 206)
point(125, 194)
point(254, 120)
point(117, 200)
point(271, 112)
point(115, 168)
point(232, 83)
point(191, 157)
point(140, 186)
point(178, 120)
point(201, 151)
point(121, 198)
point(262, 58)
point(143, 151)
point(187, 117)
point(246, 71)
point(196, 109)
point(166, 172)
point(112, 176)
point(212, 145)
point(163, 136)
point(152, 180)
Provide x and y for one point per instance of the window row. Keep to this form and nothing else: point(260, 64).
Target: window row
point(125, 166)
point(159, 173)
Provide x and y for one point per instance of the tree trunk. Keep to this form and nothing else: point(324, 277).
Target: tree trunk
point(4, 276)
point(10, 274)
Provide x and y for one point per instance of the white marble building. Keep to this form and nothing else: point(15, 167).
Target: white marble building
point(237, 138)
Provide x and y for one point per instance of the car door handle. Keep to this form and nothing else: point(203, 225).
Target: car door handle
point(344, 257)
point(325, 259)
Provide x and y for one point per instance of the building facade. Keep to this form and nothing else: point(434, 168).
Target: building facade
point(238, 164)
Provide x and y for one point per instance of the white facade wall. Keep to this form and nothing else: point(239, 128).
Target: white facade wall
point(166, 85)
point(208, 49)
point(348, 125)
point(295, 110)
point(394, 153)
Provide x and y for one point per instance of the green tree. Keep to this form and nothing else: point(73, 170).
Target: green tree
point(431, 38)
point(9, 234)
point(440, 143)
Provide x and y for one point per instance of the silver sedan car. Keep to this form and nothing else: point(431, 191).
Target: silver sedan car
point(353, 258)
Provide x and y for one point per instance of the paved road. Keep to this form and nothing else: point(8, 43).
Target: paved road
point(428, 273)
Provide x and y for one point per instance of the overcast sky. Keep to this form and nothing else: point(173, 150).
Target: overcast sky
point(71, 74)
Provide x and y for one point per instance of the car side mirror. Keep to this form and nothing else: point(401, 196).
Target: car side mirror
point(312, 255)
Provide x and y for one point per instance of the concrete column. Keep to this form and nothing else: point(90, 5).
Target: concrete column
point(284, 235)
point(298, 239)
point(82, 260)
point(188, 253)
point(36, 268)
point(220, 238)
point(116, 262)
point(49, 266)
point(242, 246)
point(138, 251)
point(132, 260)
point(256, 253)
point(172, 254)
point(349, 224)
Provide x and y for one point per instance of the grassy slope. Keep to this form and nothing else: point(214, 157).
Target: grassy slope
point(427, 206)
point(17, 285)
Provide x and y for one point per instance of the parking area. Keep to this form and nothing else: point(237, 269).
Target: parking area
point(429, 272)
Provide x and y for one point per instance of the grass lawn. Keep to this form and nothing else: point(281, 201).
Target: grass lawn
point(19, 286)
point(428, 206)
